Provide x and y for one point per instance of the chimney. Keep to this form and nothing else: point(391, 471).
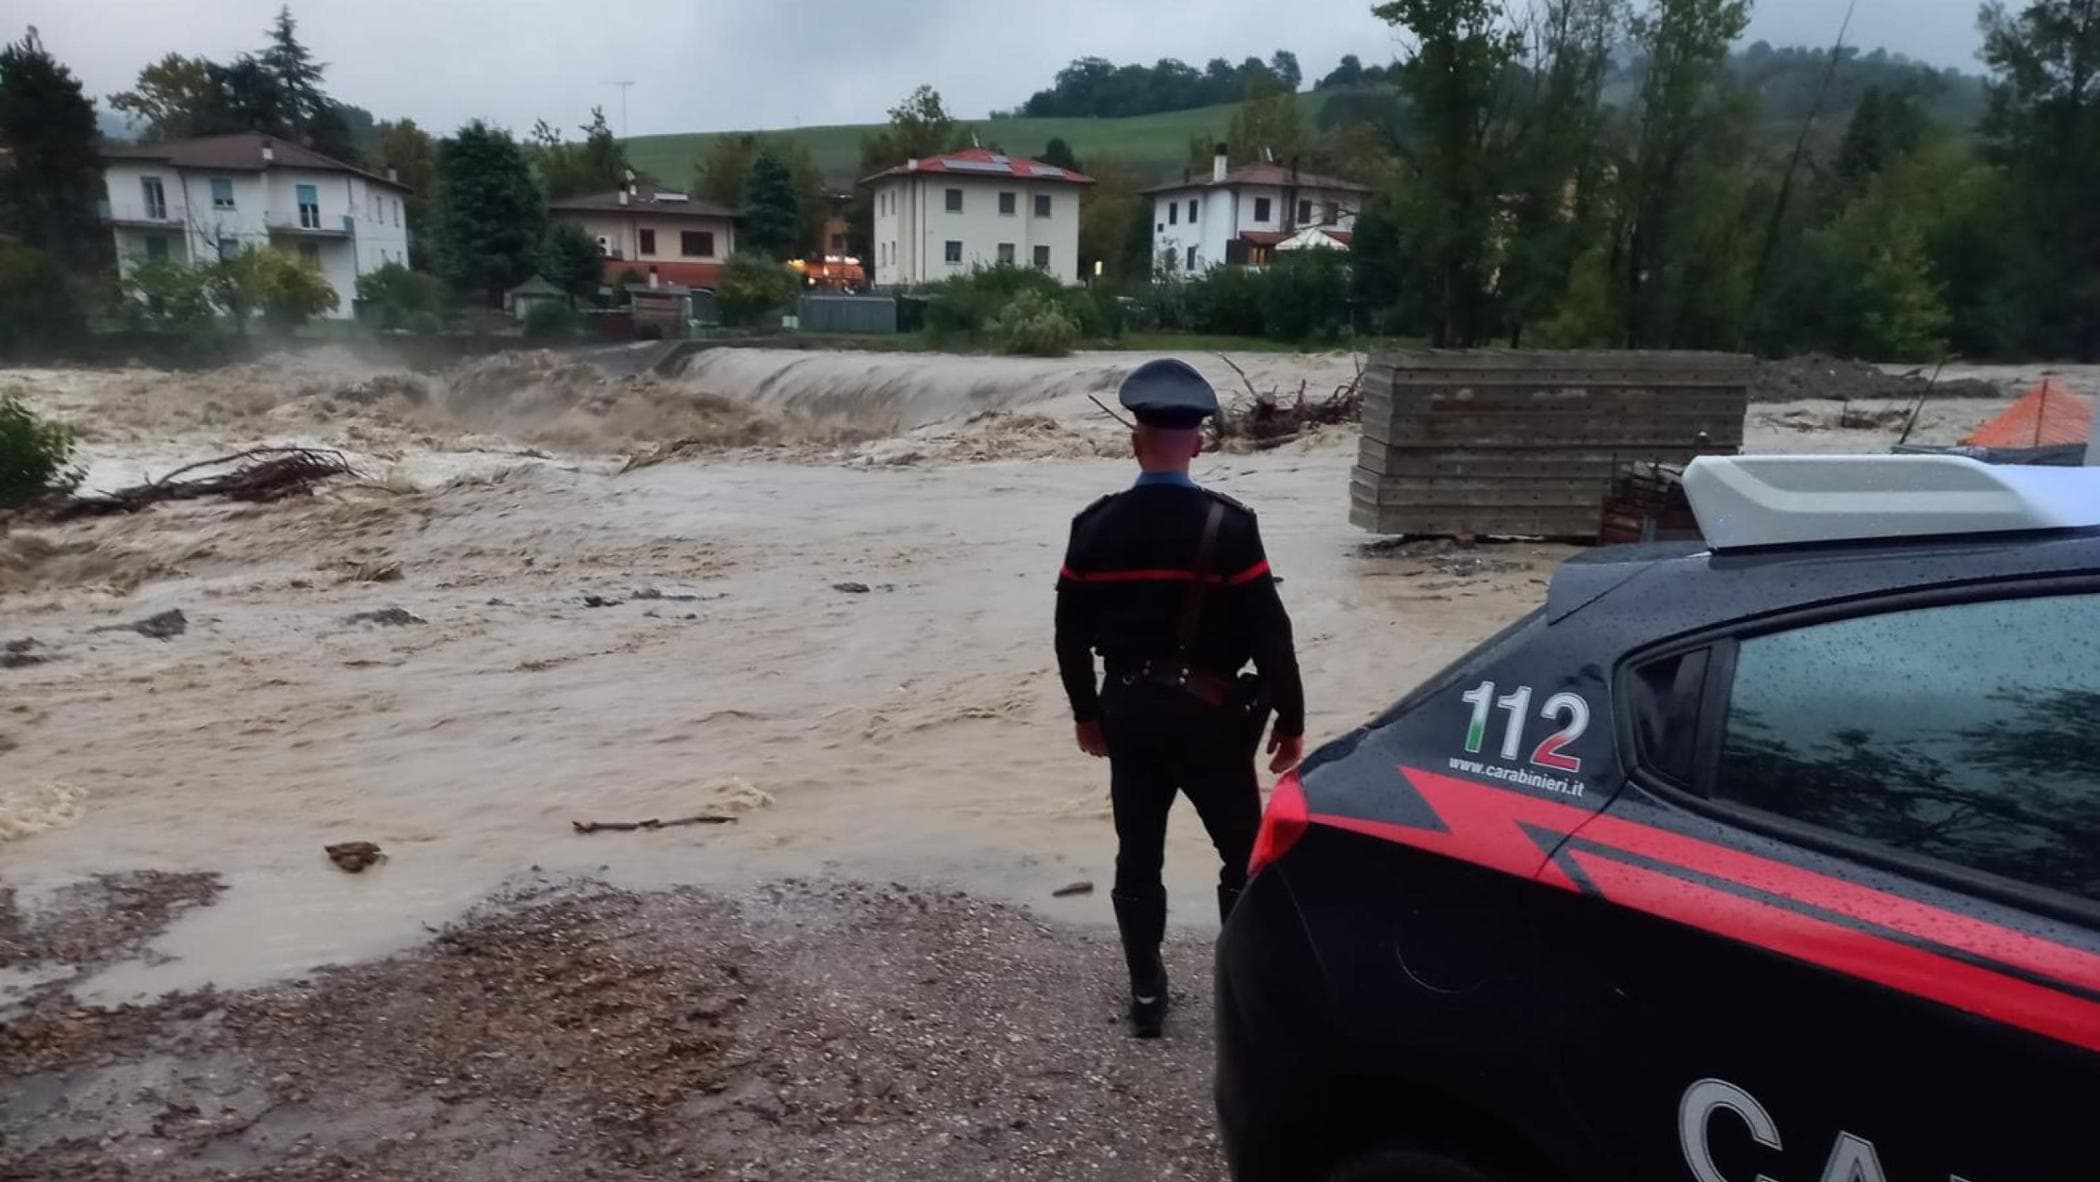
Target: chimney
point(652, 279)
point(269, 153)
point(623, 196)
point(393, 175)
point(1217, 166)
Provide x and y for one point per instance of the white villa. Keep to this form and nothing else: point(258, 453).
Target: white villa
point(1241, 216)
point(945, 215)
point(199, 200)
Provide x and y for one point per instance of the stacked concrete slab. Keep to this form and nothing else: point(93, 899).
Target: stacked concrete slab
point(1510, 443)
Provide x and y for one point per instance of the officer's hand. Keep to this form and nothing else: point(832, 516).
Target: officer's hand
point(1284, 751)
point(1091, 740)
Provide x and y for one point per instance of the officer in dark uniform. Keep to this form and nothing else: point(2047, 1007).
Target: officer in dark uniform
point(1168, 582)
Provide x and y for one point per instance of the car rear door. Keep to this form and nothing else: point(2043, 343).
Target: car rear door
point(1846, 926)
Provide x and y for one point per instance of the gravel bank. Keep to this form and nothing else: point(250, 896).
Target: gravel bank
point(802, 1032)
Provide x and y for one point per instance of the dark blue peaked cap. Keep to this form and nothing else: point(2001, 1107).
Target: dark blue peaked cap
point(1168, 393)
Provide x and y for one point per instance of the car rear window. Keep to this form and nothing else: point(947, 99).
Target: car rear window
point(1967, 733)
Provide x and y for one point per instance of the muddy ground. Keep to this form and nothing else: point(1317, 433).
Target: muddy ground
point(797, 1031)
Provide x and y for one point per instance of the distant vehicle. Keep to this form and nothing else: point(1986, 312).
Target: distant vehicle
point(1772, 858)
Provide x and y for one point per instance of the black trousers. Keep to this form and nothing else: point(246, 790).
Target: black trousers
point(1162, 741)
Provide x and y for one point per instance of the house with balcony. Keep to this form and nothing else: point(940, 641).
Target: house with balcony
point(200, 200)
point(666, 237)
point(1243, 216)
point(945, 215)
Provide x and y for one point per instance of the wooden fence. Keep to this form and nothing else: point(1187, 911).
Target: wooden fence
point(1508, 443)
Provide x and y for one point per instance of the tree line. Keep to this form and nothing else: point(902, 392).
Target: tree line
point(1521, 200)
point(1095, 87)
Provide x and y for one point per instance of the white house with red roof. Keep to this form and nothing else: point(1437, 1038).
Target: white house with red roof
point(945, 215)
point(1242, 216)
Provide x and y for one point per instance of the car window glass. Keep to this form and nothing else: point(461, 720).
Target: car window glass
point(1664, 696)
point(1969, 733)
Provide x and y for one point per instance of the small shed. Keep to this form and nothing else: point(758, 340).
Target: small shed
point(520, 300)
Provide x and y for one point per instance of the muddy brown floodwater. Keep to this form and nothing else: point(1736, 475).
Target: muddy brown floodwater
point(768, 588)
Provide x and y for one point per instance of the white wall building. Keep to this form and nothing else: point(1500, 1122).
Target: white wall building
point(945, 215)
point(196, 201)
point(1240, 216)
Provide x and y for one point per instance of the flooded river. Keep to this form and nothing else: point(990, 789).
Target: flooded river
point(847, 649)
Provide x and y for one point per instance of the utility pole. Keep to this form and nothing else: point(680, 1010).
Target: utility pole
point(624, 86)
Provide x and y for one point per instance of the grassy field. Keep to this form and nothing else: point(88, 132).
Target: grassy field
point(1150, 144)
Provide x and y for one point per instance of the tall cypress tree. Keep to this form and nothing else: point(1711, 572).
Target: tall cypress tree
point(771, 218)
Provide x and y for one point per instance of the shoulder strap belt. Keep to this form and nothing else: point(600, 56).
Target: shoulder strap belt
point(1192, 603)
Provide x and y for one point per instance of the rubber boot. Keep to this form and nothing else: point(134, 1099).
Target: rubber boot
point(1227, 896)
point(1142, 920)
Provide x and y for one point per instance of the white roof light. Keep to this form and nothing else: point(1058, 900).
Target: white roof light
point(1745, 501)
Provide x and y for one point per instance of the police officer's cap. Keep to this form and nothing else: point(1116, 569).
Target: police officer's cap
point(1168, 393)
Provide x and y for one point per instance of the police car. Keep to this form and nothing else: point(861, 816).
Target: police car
point(1772, 859)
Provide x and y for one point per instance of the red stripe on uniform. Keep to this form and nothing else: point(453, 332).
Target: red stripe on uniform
point(1251, 573)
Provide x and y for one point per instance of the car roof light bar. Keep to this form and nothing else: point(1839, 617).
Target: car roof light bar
point(1745, 501)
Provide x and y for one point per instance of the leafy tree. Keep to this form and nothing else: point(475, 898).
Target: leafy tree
point(596, 165)
point(724, 169)
point(1058, 152)
point(398, 295)
point(1462, 50)
point(2043, 126)
point(169, 97)
point(1376, 256)
point(1553, 161)
point(247, 96)
point(752, 287)
point(411, 155)
point(771, 220)
point(36, 457)
point(1682, 117)
point(52, 175)
point(292, 290)
point(918, 127)
point(1284, 65)
point(173, 296)
point(1267, 120)
point(570, 259)
point(36, 303)
point(1348, 72)
point(1105, 220)
point(488, 212)
point(1885, 127)
point(1098, 88)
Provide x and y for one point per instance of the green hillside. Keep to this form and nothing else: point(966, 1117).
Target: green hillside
point(1148, 143)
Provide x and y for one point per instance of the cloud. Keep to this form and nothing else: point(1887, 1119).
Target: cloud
point(717, 64)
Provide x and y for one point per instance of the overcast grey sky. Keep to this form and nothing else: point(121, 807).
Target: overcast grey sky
point(702, 65)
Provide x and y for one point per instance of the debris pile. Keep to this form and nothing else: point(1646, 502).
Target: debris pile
point(1264, 419)
point(1813, 375)
point(258, 474)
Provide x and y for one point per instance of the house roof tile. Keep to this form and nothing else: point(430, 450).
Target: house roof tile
point(646, 199)
point(241, 152)
point(1274, 175)
point(985, 164)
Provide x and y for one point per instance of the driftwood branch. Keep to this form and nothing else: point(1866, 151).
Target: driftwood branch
point(1266, 420)
point(258, 474)
point(651, 823)
point(1111, 414)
